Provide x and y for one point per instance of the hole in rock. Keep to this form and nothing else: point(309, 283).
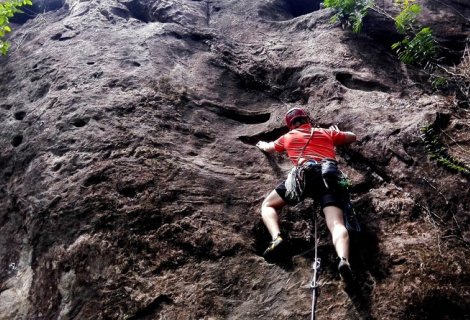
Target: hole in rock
point(301, 7)
point(38, 7)
point(19, 115)
point(442, 120)
point(17, 140)
point(264, 136)
point(80, 122)
point(90, 63)
point(56, 166)
point(138, 10)
point(129, 191)
point(242, 117)
point(41, 92)
point(56, 36)
point(122, 13)
point(280, 10)
point(351, 82)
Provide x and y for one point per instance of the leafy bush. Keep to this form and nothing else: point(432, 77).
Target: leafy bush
point(420, 49)
point(406, 19)
point(8, 9)
point(349, 12)
point(417, 47)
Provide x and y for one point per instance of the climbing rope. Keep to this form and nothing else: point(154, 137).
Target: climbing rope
point(316, 268)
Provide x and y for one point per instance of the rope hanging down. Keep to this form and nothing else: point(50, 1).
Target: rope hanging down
point(316, 268)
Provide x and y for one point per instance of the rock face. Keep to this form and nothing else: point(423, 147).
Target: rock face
point(130, 185)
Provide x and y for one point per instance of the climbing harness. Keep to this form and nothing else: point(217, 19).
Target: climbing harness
point(295, 182)
point(316, 269)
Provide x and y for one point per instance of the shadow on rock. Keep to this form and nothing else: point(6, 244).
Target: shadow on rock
point(360, 297)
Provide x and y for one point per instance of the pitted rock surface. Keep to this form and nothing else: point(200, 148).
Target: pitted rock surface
point(130, 184)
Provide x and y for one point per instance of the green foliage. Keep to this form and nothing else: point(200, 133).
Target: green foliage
point(8, 9)
point(439, 152)
point(437, 82)
point(406, 19)
point(345, 183)
point(419, 49)
point(350, 12)
point(416, 48)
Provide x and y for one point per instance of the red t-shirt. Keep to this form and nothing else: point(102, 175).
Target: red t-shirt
point(321, 145)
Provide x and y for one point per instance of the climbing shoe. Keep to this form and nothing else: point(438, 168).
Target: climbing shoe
point(345, 270)
point(276, 243)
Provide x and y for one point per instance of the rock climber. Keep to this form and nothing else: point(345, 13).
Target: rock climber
point(308, 146)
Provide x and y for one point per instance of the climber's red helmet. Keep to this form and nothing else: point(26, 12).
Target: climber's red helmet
point(293, 114)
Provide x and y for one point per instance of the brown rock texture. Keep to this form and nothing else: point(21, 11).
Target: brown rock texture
point(130, 185)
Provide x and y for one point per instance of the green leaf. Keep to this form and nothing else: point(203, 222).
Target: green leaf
point(415, 8)
point(8, 8)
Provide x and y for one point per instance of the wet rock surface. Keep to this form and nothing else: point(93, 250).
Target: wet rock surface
point(130, 185)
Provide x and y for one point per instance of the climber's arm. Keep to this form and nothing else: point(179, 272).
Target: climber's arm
point(266, 146)
point(349, 137)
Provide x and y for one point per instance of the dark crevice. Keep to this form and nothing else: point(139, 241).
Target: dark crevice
point(120, 12)
point(301, 7)
point(129, 192)
point(80, 122)
point(40, 93)
point(138, 11)
point(56, 36)
point(56, 166)
point(364, 187)
point(381, 28)
point(349, 81)
point(240, 115)
point(442, 120)
point(282, 10)
point(264, 136)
